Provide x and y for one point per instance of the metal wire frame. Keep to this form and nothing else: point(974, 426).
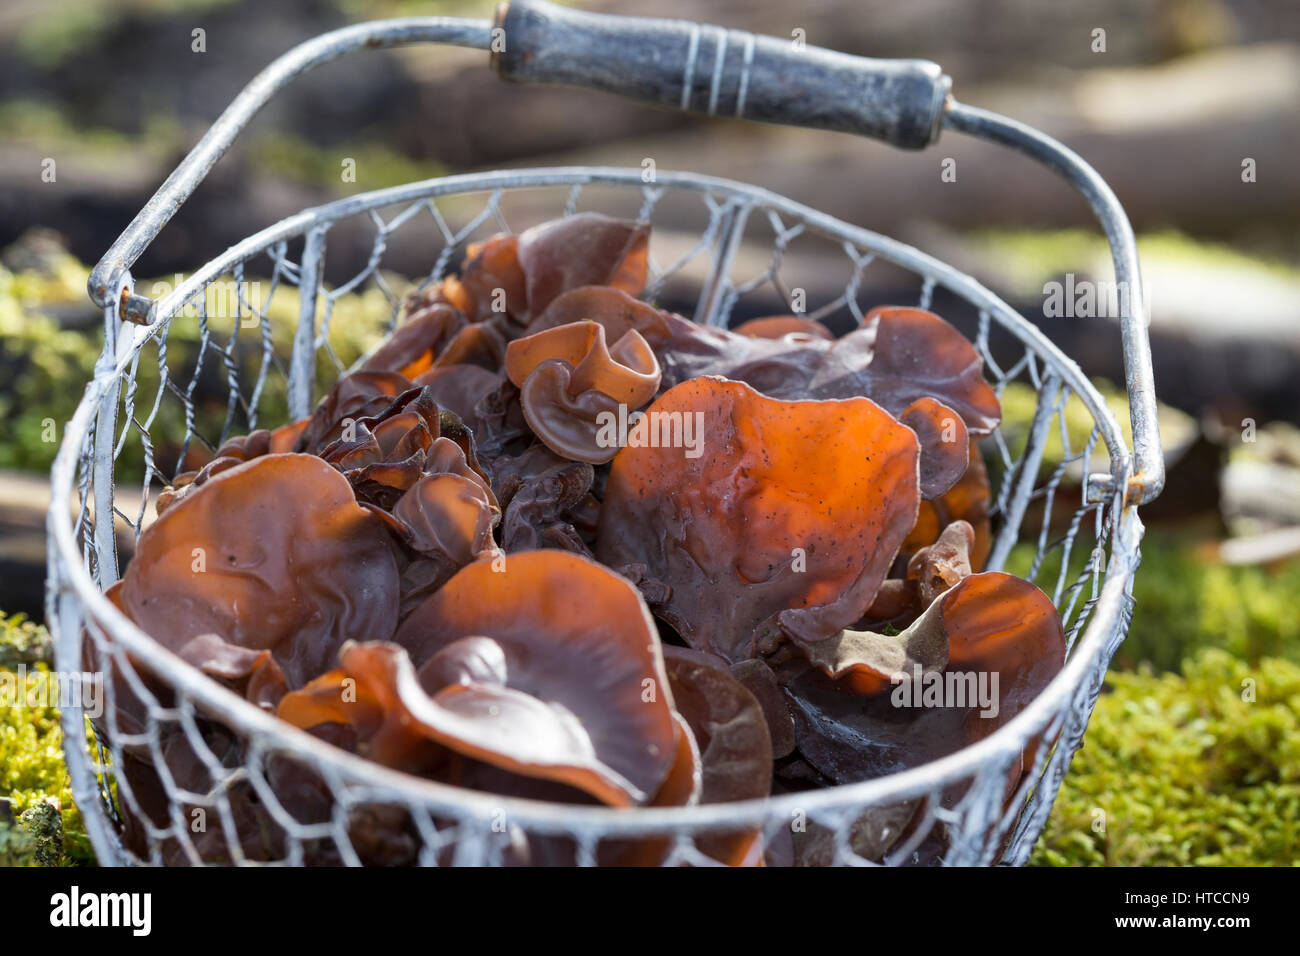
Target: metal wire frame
point(977, 827)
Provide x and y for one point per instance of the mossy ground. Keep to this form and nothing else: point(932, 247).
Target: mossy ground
point(31, 748)
point(1185, 770)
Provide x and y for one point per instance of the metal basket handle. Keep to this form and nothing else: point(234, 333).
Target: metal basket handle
point(710, 70)
point(696, 68)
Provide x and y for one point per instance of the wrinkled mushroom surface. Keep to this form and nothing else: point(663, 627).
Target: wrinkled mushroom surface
point(793, 509)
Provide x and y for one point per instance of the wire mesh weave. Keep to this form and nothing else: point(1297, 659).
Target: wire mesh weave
point(248, 339)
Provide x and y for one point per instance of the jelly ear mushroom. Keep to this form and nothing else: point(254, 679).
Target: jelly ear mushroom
point(868, 662)
point(575, 635)
point(580, 250)
point(944, 564)
point(459, 388)
point(571, 382)
point(491, 280)
point(899, 355)
point(447, 516)
point(613, 308)
point(780, 326)
point(728, 723)
point(763, 508)
point(985, 623)
point(355, 396)
point(627, 371)
point(460, 701)
point(274, 554)
point(998, 623)
point(416, 343)
point(944, 444)
point(1003, 634)
point(480, 345)
point(968, 500)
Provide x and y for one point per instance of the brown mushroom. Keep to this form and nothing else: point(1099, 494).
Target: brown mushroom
point(781, 326)
point(572, 385)
point(730, 728)
point(583, 249)
point(575, 635)
point(792, 510)
point(900, 355)
point(460, 700)
point(480, 345)
point(273, 554)
point(613, 308)
point(544, 497)
point(968, 500)
point(997, 628)
point(944, 444)
point(417, 342)
point(355, 396)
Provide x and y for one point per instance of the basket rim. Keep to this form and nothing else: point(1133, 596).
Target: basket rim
point(67, 561)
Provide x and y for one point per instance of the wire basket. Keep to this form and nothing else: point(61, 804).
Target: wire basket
point(723, 248)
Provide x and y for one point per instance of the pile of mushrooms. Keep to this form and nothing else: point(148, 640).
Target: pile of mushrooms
point(453, 570)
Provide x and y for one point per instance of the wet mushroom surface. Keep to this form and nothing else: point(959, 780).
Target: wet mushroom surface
point(552, 541)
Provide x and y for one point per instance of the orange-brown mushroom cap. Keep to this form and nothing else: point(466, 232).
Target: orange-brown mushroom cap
point(575, 635)
point(1000, 623)
point(968, 500)
point(792, 508)
point(626, 371)
point(944, 444)
point(273, 554)
point(899, 355)
point(464, 705)
point(416, 343)
point(613, 308)
point(779, 326)
point(572, 384)
point(997, 628)
point(583, 249)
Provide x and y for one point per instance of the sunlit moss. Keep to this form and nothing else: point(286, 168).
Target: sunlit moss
point(50, 366)
point(1197, 769)
point(31, 742)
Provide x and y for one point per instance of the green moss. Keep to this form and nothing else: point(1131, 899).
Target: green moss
point(48, 366)
point(32, 770)
point(1185, 770)
point(1186, 600)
